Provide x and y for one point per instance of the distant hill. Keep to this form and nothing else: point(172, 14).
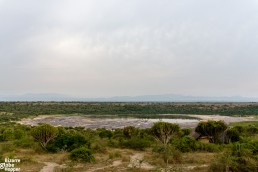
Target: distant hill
point(144, 98)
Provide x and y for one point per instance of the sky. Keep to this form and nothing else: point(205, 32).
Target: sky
point(102, 48)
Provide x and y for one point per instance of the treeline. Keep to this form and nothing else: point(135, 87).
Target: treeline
point(13, 110)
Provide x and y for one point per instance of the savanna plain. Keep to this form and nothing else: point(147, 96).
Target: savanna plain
point(124, 136)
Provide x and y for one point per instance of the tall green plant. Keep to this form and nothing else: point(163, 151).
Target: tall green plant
point(44, 133)
point(212, 129)
point(163, 131)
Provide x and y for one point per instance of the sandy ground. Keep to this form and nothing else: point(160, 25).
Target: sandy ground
point(137, 161)
point(50, 166)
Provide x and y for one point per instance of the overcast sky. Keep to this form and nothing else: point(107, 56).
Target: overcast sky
point(98, 48)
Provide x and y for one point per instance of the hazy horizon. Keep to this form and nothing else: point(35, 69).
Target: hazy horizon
point(98, 48)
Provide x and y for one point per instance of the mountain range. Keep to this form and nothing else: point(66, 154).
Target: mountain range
point(144, 98)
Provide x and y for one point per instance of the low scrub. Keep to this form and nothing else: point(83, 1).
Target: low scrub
point(136, 143)
point(82, 154)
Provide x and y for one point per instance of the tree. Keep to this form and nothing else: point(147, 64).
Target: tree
point(211, 129)
point(163, 131)
point(44, 133)
point(130, 131)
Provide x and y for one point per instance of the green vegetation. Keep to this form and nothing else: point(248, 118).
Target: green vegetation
point(211, 129)
point(164, 147)
point(164, 131)
point(11, 111)
point(82, 154)
point(166, 144)
point(43, 134)
point(245, 123)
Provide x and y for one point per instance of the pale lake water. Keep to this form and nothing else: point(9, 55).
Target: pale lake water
point(118, 122)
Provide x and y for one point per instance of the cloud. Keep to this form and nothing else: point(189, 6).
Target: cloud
point(100, 48)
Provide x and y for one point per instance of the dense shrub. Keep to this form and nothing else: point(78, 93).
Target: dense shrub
point(212, 129)
point(136, 143)
point(118, 133)
point(68, 142)
point(8, 135)
point(24, 142)
point(208, 147)
point(186, 144)
point(82, 154)
point(168, 153)
point(232, 135)
point(18, 133)
point(238, 159)
point(105, 133)
point(44, 133)
point(185, 132)
point(251, 130)
point(99, 146)
point(130, 131)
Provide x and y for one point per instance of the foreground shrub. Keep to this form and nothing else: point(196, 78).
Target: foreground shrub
point(105, 133)
point(168, 153)
point(130, 131)
point(186, 144)
point(208, 147)
point(68, 142)
point(136, 143)
point(7, 147)
point(238, 159)
point(24, 142)
point(251, 130)
point(18, 133)
point(8, 135)
point(99, 146)
point(185, 132)
point(82, 154)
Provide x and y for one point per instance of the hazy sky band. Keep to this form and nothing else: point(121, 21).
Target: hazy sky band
point(118, 47)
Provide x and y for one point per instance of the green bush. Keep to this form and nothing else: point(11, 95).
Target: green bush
point(136, 143)
point(114, 143)
point(44, 133)
point(8, 135)
point(18, 133)
point(68, 142)
point(186, 144)
point(209, 147)
point(24, 142)
point(164, 131)
point(251, 130)
point(130, 131)
point(238, 159)
point(168, 153)
point(99, 147)
point(233, 135)
point(185, 131)
point(82, 154)
point(105, 134)
point(212, 129)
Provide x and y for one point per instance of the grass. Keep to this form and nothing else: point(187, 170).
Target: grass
point(35, 161)
point(245, 123)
